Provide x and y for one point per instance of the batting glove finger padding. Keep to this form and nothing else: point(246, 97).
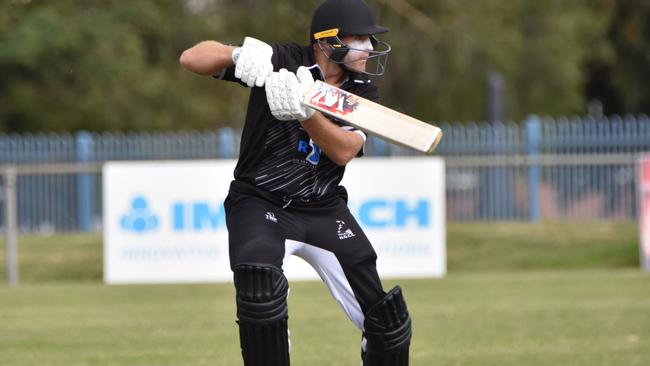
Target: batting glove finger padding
point(304, 78)
point(284, 93)
point(253, 62)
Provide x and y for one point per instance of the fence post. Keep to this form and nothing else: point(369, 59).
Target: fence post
point(533, 129)
point(9, 180)
point(226, 138)
point(85, 194)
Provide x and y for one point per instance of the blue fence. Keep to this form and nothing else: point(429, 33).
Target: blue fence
point(68, 202)
point(541, 135)
point(84, 146)
point(548, 136)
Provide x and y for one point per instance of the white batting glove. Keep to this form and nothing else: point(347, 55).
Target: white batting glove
point(253, 62)
point(285, 91)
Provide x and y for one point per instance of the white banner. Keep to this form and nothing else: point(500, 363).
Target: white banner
point(164, 221)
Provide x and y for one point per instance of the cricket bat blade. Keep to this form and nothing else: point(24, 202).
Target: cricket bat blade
point(373, 118)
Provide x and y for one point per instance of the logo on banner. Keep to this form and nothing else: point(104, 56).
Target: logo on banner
point(644, 205)
point(343, 231)
point(139, 219)
point(387, 213)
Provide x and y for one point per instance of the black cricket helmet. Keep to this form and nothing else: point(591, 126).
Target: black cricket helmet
point(338, 18)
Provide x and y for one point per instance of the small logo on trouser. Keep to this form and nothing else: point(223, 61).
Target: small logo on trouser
point(271, 217)
point(343, 231)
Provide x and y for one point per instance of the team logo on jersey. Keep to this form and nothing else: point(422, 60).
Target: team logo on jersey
point(314, 155)
point(271, 217)
point(333, 100)
point(343, 231)
point(311, 149)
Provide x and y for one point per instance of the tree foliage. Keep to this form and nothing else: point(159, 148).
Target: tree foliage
point(67, 65)
point(106, 65)
point(629, 73)
point(538, 47)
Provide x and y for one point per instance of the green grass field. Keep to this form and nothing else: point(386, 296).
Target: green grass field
point(516, 294)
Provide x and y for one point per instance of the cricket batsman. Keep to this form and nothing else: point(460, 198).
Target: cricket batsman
point(286, 198)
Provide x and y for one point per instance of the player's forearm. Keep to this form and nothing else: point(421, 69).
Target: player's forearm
point(207, 58)
point(339, 145)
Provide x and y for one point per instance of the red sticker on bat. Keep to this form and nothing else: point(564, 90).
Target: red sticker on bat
point(333, 100)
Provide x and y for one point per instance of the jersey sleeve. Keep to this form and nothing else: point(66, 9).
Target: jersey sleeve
point(228, 74)
point(287, 56)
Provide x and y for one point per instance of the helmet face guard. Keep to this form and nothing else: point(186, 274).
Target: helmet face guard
point(375, 61)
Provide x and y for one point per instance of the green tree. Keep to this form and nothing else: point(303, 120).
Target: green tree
point(106, 65)
point(67, 65)
point(630, 36)
point(538, 46)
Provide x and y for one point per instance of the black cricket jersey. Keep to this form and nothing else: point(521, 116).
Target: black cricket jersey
point(278, 156)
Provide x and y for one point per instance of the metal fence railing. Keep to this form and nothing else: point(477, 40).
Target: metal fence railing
point(573, 168)
point(562, 135)
point(550, 186)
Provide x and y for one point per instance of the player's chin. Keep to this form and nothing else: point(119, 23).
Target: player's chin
point(358, 66)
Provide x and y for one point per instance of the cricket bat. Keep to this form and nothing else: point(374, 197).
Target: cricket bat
point(373, 118)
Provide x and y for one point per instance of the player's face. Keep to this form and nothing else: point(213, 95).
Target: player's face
point(357, 56)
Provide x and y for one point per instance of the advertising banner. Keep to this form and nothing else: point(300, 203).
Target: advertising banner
point(164, 222)
point(644, 211)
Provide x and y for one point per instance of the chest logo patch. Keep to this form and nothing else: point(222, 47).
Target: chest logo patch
point(311, 149)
